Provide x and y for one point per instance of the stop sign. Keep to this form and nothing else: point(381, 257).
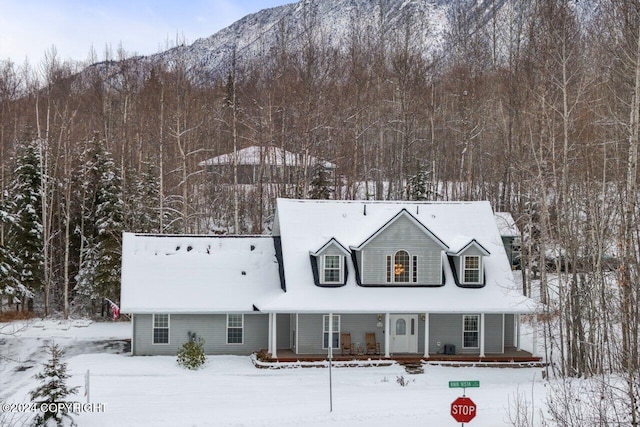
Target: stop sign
point(463, 409)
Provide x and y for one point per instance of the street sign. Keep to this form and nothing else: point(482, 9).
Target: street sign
point(463, 409)
point(463, 384)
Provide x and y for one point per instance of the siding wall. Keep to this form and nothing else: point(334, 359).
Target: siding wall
point(211, 327)
point(402, 234)
point(311, 331)
point(447, 329)
point(509, 330)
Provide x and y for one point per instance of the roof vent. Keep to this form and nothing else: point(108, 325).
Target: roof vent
point(365, 210)
point(244, 273)
point(189, 248)
point(417, 209)
point(253, 247)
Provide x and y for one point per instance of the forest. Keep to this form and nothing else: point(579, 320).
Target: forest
point(535, 108)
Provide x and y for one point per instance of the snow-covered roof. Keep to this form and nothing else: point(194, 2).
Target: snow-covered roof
point(197, 274)
point(506, 224)
point(305, 225)
point(275, 156)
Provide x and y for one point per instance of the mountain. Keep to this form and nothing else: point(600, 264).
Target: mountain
point(326, 23)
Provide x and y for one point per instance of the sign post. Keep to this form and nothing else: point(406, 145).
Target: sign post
point(463, 409)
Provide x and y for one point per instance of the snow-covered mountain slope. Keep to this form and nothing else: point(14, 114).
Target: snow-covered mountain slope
point(325, 23)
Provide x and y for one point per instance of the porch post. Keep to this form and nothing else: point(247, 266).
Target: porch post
point(534, 326)
point(426, 335)
point(269, 342)
point(386, 334)
point(330, 341)
point(517, 332)
point(481, 334)
point(274, 343)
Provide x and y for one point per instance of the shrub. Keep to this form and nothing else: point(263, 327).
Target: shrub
point(191, 355)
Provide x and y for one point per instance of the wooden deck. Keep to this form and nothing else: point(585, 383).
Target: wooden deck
point(511, 357)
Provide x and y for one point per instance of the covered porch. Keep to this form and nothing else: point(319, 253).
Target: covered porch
point(481, 338)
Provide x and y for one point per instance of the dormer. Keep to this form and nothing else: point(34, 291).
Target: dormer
point(467, 262)
point(402, 252)
point(329, 264)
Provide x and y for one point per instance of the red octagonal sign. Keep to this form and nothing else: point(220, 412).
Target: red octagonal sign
point(463, 409)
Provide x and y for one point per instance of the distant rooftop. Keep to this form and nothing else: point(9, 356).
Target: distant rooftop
point(506, 224)
point(256, 155)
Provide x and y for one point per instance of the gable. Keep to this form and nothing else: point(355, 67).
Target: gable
point(402, 226)
point(403, 234)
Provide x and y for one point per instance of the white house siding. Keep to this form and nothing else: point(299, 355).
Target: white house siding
point(403, 234)
point(211, 327)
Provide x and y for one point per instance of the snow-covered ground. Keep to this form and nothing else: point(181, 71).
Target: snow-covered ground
point(230, 391)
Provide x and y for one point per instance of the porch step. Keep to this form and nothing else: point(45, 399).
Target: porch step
point(413, 368)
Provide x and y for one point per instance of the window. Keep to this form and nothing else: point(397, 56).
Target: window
point(471, 269)
point(336, 331)
point(235, 327)
point(402, 268)
point(470, 331)
point(161, 329)
point(401, 327)
point(332, 269)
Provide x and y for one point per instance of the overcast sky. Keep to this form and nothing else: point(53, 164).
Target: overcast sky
point(28, 28)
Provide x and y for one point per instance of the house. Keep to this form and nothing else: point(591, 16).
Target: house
point(426, 278)
point(258, 164)
point(511, 237)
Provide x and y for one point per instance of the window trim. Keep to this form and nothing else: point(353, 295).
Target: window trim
point(325, 322)
point(340, 269)
point(412, 264)
point(477, 331)
point(464, 269)
point(235, 327)
point(154, 327)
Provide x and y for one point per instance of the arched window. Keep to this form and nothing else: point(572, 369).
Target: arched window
point(401, 327)
point(401, 267)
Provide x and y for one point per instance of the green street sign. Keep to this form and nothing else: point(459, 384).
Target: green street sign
point(463, 384)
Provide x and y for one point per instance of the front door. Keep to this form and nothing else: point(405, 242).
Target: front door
point(404, 333)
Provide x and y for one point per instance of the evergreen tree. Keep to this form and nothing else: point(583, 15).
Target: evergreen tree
point(53, 389)
point(419, 187)
point(25, 236)
point(99, 275)
point(142, 196)
point(320, 185)
point(9, 281)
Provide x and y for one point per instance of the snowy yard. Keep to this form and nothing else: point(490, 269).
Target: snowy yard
point(230, 391)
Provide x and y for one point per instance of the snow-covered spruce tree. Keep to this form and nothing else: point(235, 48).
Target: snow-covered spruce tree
point(142, 200)
point(25, 236)
point(419, 187)
point(320, 185)
point(9, 282)
point(99, 273)
point(53, 389)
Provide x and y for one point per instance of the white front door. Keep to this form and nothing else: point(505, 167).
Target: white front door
point(404, 333)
